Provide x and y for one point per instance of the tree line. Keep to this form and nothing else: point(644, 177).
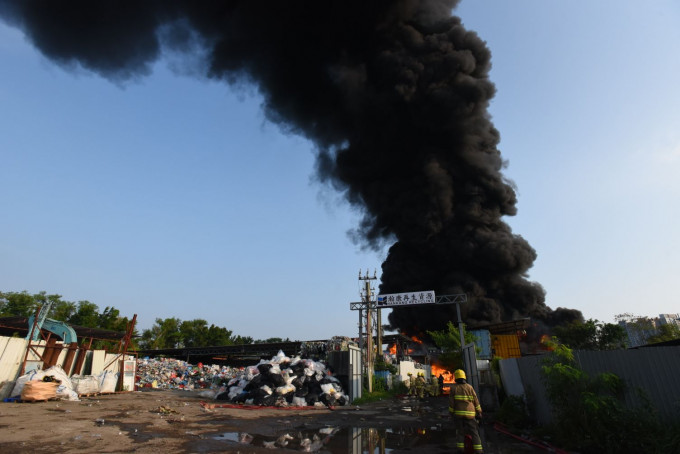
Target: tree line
point(175, 333)
point(165, 333)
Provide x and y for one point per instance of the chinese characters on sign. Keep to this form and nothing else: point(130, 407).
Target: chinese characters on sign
point(406, 299)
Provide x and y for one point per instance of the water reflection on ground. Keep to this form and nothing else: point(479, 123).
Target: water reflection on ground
point(356, 440)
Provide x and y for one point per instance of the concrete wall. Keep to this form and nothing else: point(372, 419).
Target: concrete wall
point(409, 366)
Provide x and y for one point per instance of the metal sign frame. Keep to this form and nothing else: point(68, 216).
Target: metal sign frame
point(406, 299)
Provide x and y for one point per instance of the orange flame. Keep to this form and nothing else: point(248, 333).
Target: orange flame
point(545, 342)
point(437, 370)
point(393, 349)
point(448, 376)
point(415, 339)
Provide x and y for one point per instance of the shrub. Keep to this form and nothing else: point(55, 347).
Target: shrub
point(513, 413)
point(590, 413)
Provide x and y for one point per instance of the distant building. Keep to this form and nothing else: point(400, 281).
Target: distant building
point(639, 328)
point(669, 319)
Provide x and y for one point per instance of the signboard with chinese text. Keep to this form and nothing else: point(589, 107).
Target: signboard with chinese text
point(406, 299)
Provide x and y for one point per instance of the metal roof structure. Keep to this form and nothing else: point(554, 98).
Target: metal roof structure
point(509, 327)
point(9, 326)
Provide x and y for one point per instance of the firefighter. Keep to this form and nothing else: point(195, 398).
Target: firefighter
point(466, 411)
point(433, 389)
point(411, 385)
point(420, 385)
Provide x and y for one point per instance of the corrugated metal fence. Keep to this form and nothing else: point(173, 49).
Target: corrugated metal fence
point(654, 371)
point(13, 352)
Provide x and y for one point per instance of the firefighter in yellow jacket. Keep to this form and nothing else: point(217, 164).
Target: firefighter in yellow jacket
point(465, 409)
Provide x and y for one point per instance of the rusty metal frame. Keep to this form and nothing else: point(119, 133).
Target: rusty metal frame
point(122, 351)
point(80, 347)
point(33, 347)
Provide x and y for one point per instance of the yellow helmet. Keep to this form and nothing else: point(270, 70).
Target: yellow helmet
point(409, 373)
point(460, 373)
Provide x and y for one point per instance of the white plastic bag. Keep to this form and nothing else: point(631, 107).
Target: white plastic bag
point(66, 393)
point(328, 388)
point(299, 402)
point(108, 381)
point(209, 393)
point(85, 384)
point(59, 373)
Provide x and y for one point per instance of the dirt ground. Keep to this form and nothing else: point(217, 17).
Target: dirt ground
point(168, 421)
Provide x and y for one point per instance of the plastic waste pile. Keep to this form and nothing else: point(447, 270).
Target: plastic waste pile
point(319, 349)
point(169, 373)
point(55, 374)
point(283, 382)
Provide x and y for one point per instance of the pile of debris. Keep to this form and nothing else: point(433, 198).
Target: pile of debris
point(65, 387)
point(283, 382)
point(320, 349)
point(169, 373)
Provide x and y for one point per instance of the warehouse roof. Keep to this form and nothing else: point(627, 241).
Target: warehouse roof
point(9, 326)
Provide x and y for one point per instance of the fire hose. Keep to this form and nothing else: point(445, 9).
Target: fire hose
point(539, 444)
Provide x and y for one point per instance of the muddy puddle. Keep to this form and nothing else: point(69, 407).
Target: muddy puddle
point(358, 440)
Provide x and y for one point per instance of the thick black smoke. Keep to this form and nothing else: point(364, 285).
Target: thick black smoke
point(393, 93)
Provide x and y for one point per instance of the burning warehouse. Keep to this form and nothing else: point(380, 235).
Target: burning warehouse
point(500, 340)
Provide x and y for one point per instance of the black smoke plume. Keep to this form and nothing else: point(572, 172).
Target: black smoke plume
point(393, 93)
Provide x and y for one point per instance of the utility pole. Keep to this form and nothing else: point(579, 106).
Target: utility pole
point(461, 329)
point(367, 296)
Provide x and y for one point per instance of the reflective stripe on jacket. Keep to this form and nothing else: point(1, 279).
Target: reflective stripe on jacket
point(463, 402)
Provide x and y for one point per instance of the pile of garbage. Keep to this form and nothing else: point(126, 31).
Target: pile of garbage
point(67, 388)
point(283, 382)
point(319, 349)
point(169, 373)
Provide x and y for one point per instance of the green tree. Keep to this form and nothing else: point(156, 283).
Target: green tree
point(218, 335)
point(242, 340)
point(174, 333)
point(87, 315)
point(197, 333)
point(109, 318)
point(591, 335)
point(666, 332)
point(194, 332)
point(165, 333)
point(17, 304)
point(449, 341)
point(590, 412)
point(62, 310)
point(271, 340)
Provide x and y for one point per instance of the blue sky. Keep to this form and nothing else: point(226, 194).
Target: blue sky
point(172, 196)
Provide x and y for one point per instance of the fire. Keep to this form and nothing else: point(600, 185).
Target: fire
point(448, 376)
point(437, 370)
point(546, 343)
point(415, 339)
point(393, 349)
